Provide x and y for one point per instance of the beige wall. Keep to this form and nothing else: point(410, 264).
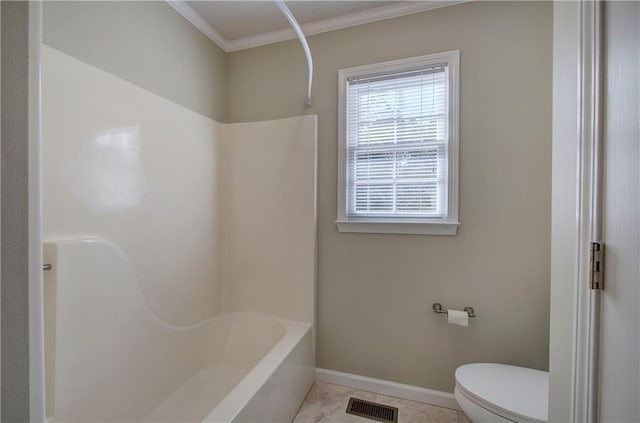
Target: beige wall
point(14, 290)
point(146, 43)
point(375, 291)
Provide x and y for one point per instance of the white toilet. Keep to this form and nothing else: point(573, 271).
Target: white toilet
point(497, 393)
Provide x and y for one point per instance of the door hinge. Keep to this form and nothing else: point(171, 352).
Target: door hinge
point(596, 266)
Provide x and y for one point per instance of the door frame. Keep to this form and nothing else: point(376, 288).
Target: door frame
point(36, 382)
point(576, 210)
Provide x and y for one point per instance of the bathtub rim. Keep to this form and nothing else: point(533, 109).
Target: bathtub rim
point(236, 400)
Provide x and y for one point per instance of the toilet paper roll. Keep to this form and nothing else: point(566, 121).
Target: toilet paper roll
point(458, 317)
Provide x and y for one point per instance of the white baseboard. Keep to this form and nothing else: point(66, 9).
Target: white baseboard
point(385, 387)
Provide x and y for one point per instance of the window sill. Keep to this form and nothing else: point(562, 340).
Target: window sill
point(398, 227)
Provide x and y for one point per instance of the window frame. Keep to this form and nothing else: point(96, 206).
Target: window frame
point(446, 225)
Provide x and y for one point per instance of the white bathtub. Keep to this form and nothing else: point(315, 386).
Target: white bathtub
point(109, 358)
point(260, 374)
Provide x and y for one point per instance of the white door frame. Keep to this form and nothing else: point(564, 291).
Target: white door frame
point(36, 305)
point(576, 211)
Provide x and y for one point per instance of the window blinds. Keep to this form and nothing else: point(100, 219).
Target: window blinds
point(397, 138)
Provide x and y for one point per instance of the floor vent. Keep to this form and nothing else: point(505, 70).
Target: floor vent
point(372, 410)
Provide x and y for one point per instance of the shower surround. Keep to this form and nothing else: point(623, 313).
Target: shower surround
point(183, 253)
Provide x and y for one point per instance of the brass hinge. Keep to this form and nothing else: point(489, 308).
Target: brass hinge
point(596, 266)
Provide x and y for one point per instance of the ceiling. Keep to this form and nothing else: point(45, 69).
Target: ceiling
point(240, 19)
point(240, 24)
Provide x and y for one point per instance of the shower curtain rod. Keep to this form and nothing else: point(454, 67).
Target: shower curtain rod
point(296, 27)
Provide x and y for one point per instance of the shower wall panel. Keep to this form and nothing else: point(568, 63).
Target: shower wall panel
point(271, 217)
point(130, 166)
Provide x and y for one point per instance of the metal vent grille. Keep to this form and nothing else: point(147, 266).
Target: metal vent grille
point(372, 410)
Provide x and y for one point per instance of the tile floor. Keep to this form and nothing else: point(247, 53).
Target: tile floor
point(326, 403)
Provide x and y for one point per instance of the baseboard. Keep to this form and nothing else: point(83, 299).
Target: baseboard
point(385, 387)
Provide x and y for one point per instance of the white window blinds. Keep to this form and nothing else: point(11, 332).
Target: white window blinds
point(396, 143)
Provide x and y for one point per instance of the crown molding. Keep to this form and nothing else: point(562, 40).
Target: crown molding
point(339, 22)
point(316, 27)
point(196, 20)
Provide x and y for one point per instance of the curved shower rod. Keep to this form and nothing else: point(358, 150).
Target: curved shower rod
point(296, 27)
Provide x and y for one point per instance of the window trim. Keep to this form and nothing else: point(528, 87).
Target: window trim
point(447, 225)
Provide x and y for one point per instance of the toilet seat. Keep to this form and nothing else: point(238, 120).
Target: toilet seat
point(514, 393)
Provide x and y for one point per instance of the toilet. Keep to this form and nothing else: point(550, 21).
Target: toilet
point(497, 393)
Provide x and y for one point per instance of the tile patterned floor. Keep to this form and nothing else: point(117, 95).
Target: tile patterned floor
point(326, 403)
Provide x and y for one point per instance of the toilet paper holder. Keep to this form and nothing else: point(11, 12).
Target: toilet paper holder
point(437, 307)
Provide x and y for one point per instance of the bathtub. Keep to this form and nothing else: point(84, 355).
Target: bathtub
point(261, 374)
point(109, 358)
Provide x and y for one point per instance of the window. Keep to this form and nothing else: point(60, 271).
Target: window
point(398, 146)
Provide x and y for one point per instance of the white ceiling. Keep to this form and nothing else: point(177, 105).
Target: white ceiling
point(239, 19)
point(240, 24)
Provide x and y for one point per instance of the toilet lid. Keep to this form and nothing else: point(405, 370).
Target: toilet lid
point(516, 393)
